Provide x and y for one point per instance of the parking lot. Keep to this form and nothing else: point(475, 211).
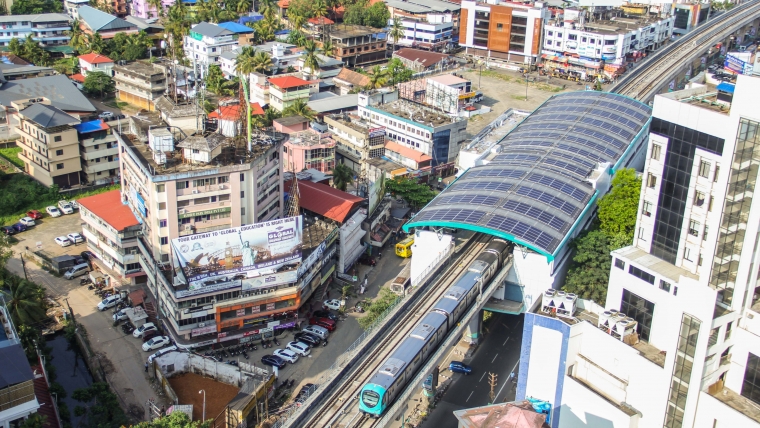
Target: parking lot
point(42, 235)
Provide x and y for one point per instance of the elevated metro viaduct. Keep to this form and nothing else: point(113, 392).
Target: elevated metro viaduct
point(538, 186)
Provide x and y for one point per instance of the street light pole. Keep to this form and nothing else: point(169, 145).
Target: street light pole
point(204, 404)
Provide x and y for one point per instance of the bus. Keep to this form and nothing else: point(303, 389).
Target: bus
point(402, 281)
point(404, 248)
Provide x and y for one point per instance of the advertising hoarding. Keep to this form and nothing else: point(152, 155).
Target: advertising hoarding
point(237, 254)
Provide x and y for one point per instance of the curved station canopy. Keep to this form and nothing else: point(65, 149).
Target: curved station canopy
point(534, 185)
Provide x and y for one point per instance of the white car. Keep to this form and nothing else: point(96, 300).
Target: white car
point(109, 302)
point(62, 241)
point(162, 352)
point(299, 348)
point(121, 315)
point(148, 326)
point(65, 207)
point(74, 204)
point(105, 115)
point(75, 238)
point(27, 221)
point(286, 355)
point(333, 304)
point(155, 343)
point(53, 211)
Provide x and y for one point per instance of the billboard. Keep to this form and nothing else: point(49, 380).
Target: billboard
point(241, 253)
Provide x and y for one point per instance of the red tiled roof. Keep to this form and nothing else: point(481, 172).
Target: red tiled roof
point(108, 206)
point(407, 152)
point(325, 200)
point(77, 77)
point(426, 58)
point(283, 4)
point(94, 58)
point(42, 392)
point(232, 112)
point(322, 20)
point(287, 82)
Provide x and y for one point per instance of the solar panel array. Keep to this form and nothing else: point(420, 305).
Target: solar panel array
point(535, 189)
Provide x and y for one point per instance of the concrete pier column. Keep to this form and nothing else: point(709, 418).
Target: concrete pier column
point(473, 331)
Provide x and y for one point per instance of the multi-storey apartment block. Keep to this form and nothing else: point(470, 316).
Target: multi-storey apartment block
point(140, 83)
point(356, 45)
point(206, 43)
point(49, 29)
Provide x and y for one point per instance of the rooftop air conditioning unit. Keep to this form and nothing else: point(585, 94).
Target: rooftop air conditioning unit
point(222, 187)
point(182, 211)
point(195, 192)
point(194, 304)
point(188, 227)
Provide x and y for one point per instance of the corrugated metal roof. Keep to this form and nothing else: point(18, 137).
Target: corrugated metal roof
point(210, 30)
point(236, 28)
point(342, 102)
point(47, 116)
point(61, 92)
point(15, 366)
point(98, 20)
point(325, 200)
point(109, 207)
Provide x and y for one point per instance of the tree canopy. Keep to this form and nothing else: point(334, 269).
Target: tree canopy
point(417, 195)
point(361, 13)
point(98, 82)
point(174, 420)
point(100, 407)
point(31, 7)
point(342, 176)
point(618, 208)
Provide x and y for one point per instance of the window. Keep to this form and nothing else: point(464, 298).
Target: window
point(183, 185)
point(242, 177)
point(199, 201)
point(655, 152)
point(162, 205)
point(704, 169)
point(57, 138)
point(639, 309)
point(709, 206)
point(664, 285)
point(717, 170)
point(675, 291)
point(224, 197)
point(551, 33)
point(687, 253)
point(641, 234)
point(647, 209)
point(694, 227)
point(181, 204)
point(699, 198)
point(223, 179)
point(679, 382)
point(162, 223)
point(242, 211)
point(638, 273)
point(59, 152)
point(651, 181)
point(164, 240)
point(242, 194)
point(619, 264)
point(500, 27)
point(160, 188)
point(728, 330)
point(59, 166)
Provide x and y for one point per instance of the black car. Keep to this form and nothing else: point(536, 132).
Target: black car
point(325, 314)
point(87, 255)
point(9, 230)
point(273, 360)
point(308, 339)
point(306, 391)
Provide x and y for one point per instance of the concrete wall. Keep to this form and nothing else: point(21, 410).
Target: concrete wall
point(712, 413)
point(188, 363)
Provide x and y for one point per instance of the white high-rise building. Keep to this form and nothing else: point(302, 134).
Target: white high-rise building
point(677, 343)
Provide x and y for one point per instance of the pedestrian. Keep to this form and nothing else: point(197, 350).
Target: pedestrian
point(146, 367)
point(512, 376)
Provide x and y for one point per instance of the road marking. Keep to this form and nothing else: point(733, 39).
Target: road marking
point(494, 358)
point(468, 397)
point(481, 378)
point(506, 381)
point(505, 342)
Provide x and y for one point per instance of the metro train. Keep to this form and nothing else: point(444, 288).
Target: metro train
point(412, 353)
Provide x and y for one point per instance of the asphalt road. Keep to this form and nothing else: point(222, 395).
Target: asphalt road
point(498, 353)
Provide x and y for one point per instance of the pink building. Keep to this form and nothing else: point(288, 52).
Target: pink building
point(291, 124)
point(309, 150)
point(141, 8)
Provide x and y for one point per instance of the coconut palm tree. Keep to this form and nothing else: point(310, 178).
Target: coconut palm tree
point(267, 5)
point(262, 62)
point(342, 175)
point(297, 21)
point(328, 48)
point(270, 115)
point(24, 300)
point(299, 108)
point(396, 32)
point(243, 6)
point(158, 5)
point(310, 58)
point(177, 26)
point(319, 8)
point(77, 37)
point(377, 78)
point(96, 43)
point(67, 66)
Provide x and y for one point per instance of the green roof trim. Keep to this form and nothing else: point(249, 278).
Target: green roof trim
point(480, 229)
point(582, 216)
point(385, 113)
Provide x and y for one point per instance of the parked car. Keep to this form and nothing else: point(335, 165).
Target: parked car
point(460, 367)
point(9, 230)
point(162, 352)
point(19, 227)
point(149, 335)
point(74, 204)
point(308, 338)
point(109, 302)
point(87, 255)
point(306, 391)
point(65, 207)
point(155, 343)
point(106, 115)
point(34, 214)
point(333, 304)
point(325, 314)
point(75, 238)
point(318, 331)
point(77, 270)
point(368, 260)
point(148, 326)
point(273, 360)
point(62, 241)
point(327, 323)
point(53, 211)
point(121, 315)
point(286, 355)
point(299, 348)
point(27, 221)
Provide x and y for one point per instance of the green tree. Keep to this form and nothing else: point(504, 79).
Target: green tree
point(267, 6)
point(378, 78)
point(102, 5)
point(98, 82)
point(243, 6)
point(174, 420)
point(33, 52)
point(328, 48)
point(377, 307)
point(270, 115)
point(299, 108)
point(35, 420)
point(297, 37)
point(396, 31)
point(78, 39)
point(158, 7)
point(24, 300)
point(361, 13)
point(33, 7)
point(417, 195)
point(301, 8)
point(4, 7)
point(310, 58)
point(398, 72)
point(67, 66)
point(589, 274)
point(6, 252)
point(216, 83)
point(318, 8)
point(342, 176)
point(100, 407)
point(14, 46)
point(96, 43)
point(619, 207)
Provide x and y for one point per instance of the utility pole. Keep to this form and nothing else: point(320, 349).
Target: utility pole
point(23, 266)
point(492, 382)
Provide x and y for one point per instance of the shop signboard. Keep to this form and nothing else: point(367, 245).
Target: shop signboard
point(203, 330)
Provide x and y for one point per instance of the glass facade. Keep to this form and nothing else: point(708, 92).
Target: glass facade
point(751, 385)
point(441, 147)
point(679, 160)
point(733, 224)
point(639, 309)
point(679, 382)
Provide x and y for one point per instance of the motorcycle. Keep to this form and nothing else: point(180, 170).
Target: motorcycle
point(276, 342)
point(245, 354)
point(85, 281)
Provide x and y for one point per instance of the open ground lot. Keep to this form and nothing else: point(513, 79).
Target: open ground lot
point(45, 231)
point(218, 394)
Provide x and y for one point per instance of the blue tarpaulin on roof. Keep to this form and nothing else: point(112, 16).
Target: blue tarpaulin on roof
point(236, 28)
point(91, 126)
point(726, 87)
point(255, 17)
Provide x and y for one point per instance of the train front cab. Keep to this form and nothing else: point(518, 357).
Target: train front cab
point(372, 400)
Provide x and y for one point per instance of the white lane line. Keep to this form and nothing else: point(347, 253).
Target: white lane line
point(506, 381)
point(505, 342)
point(481, 378)
point(468, 397)
point(494, 358)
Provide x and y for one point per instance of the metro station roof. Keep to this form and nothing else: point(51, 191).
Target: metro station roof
point(535, 189)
